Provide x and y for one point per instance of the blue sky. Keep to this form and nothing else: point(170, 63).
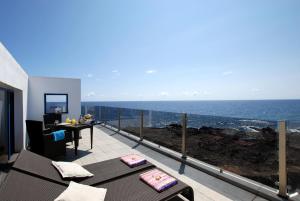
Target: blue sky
point(160, 50)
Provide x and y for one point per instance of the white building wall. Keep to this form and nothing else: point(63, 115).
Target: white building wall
point(29, 94)
point(13, 77)
point(38, 86)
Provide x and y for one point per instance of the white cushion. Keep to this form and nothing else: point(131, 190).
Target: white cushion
point(80, 192)
point(69, 170)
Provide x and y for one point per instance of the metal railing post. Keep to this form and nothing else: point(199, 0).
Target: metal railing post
point(100, 114)
point(282, 159)
point(141, 124)
point(119, 119)
point(104, 114)
point(184, 125)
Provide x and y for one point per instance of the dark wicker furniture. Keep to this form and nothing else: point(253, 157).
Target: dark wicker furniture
point(42, 141)
point(49, 119)
point(76, 129)
point(49, 123)
point(40, 166)
point(25, 182)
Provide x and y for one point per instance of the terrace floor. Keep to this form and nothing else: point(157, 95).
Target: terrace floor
point(108, 144)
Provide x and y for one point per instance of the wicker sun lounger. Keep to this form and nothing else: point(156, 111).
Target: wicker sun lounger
point(27, 182)
point(137, 190)
point(39, 166)
point(23, 187)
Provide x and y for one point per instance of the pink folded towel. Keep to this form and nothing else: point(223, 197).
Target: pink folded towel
point(158, 180)
point(133, 160)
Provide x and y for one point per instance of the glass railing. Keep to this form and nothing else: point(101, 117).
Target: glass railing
point(293, 157)
point(109, 116)
point(242, 146)
point(93, 110)
point(130, 121)
point(163, 128)
point(247, 147)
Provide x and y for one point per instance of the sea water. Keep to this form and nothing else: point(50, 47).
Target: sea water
point(243, 111)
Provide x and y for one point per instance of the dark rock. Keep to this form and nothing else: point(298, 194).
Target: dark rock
point(269, 134)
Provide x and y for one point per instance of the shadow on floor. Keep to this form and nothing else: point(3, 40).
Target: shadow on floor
point(181, 168)
point(135, 146)
point(116, 132)
point(5, 167)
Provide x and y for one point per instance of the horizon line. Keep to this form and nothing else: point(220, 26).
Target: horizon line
point(190, 100)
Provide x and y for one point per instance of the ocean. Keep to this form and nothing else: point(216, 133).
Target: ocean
point(229, 111)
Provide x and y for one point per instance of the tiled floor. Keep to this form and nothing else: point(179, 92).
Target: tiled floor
point(3, 174)
point(5, 166)
point(108, 145)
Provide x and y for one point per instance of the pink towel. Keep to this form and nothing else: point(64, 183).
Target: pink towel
point(133, 160)
point(158, 180)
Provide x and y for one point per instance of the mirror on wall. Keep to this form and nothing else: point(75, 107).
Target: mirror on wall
point(56, 103)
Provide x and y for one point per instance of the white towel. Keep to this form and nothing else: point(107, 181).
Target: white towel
point(80, 192)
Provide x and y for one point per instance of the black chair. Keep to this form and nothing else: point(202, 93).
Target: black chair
point(42, 141)
point(49, 120)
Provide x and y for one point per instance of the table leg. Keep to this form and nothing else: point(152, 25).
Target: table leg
point(92, 137)
point(76, 140)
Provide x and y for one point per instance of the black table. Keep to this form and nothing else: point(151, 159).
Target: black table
point(76, 129)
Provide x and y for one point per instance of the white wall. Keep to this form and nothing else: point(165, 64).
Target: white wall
point(29, 94)
point(13, 77)
point(38, 86)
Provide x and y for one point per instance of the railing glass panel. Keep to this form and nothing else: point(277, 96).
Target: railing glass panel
point(163, 128)
point(109, 116)
point(130, 121)
point(243, 146)
point(90, 109)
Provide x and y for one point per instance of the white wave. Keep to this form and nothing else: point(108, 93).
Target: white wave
point(255, 121)
point(248, 129)
point(294, 130)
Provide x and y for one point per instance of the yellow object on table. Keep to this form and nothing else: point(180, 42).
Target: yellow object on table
point(68, 120)
point(74, 122)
